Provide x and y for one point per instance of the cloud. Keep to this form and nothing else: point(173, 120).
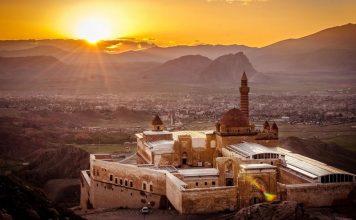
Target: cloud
point(126, 44)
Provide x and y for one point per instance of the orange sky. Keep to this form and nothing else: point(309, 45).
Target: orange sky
point(169, 22)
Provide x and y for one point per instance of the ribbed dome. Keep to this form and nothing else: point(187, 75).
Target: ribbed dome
point(234, 118)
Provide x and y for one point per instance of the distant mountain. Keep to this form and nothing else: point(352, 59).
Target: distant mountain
point(163, 54)
point(339, 37)
point(228, 69)
point(34, 51)
point(332, 49)
point(330, 53)
point(28, 65)
point(198, 69)
point(183, 69)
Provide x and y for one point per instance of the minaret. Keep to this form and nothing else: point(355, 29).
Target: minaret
point(244, 90)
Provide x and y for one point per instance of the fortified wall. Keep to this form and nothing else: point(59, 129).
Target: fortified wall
point(113, 184)
point(317, 195)
point(199, 200)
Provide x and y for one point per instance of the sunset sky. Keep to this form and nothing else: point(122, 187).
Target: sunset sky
point(171, 22)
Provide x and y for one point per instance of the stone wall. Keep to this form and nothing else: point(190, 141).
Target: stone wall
point(199, 200)
point(107, 195)
point(174, 187)
point(251, 185)
point(287, 177)
point(158, 137)
point(209, 200)
point(123, 185)
point(144, 153)
point(221, 164)
point(201, 182)
point(85, 201)
point(316, 195)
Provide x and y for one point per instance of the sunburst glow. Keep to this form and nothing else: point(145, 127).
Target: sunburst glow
point(93, 29)
point(269, 197)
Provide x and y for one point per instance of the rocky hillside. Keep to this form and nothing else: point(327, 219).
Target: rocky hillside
point(183, 69)
point(54, 163)
point(228, 69)
point(20, 201)
point(328, 153)
point(290, 210)
point(28, 140)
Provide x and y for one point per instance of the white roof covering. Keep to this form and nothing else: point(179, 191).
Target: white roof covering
point(198, 137)
point(208, 132)
point(296, 162)
point(308, 166)
point(156, 132)
point(250, 149)
point(257, 166)
point(198, 172)
point(161, 146)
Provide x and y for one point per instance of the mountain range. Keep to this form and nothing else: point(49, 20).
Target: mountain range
point(331, 51)
point(199, 69)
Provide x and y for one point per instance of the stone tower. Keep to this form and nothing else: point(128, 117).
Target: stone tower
point(244, 90)
point(157, 124)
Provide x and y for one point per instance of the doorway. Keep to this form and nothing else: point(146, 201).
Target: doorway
point(229, 182)
point(184, 158)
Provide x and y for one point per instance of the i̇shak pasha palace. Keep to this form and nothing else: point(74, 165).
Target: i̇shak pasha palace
point(231, 167)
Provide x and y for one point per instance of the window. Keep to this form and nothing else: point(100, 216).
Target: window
point(213, 183)
point(151, 188)
point(196, 183)
point(131, 184)
point(125, 182)
point(206, 183)
point(115, 180)
point(144, 186)
point(121, 182)
point(110, 177)
point(213, 144)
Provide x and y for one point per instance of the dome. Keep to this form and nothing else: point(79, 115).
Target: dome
point(234, 118)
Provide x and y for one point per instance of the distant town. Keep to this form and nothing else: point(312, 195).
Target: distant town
point(319, 108)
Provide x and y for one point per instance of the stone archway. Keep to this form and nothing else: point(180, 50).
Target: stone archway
point(255, 200)
point(257, 191)
point(229, 173)
point(184, 158)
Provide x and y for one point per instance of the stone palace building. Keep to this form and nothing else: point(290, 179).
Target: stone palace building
point(231, 167)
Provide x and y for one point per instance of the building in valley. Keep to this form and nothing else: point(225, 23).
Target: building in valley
point(231, 167)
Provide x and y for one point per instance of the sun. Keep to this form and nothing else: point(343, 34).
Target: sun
point(93, 29)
